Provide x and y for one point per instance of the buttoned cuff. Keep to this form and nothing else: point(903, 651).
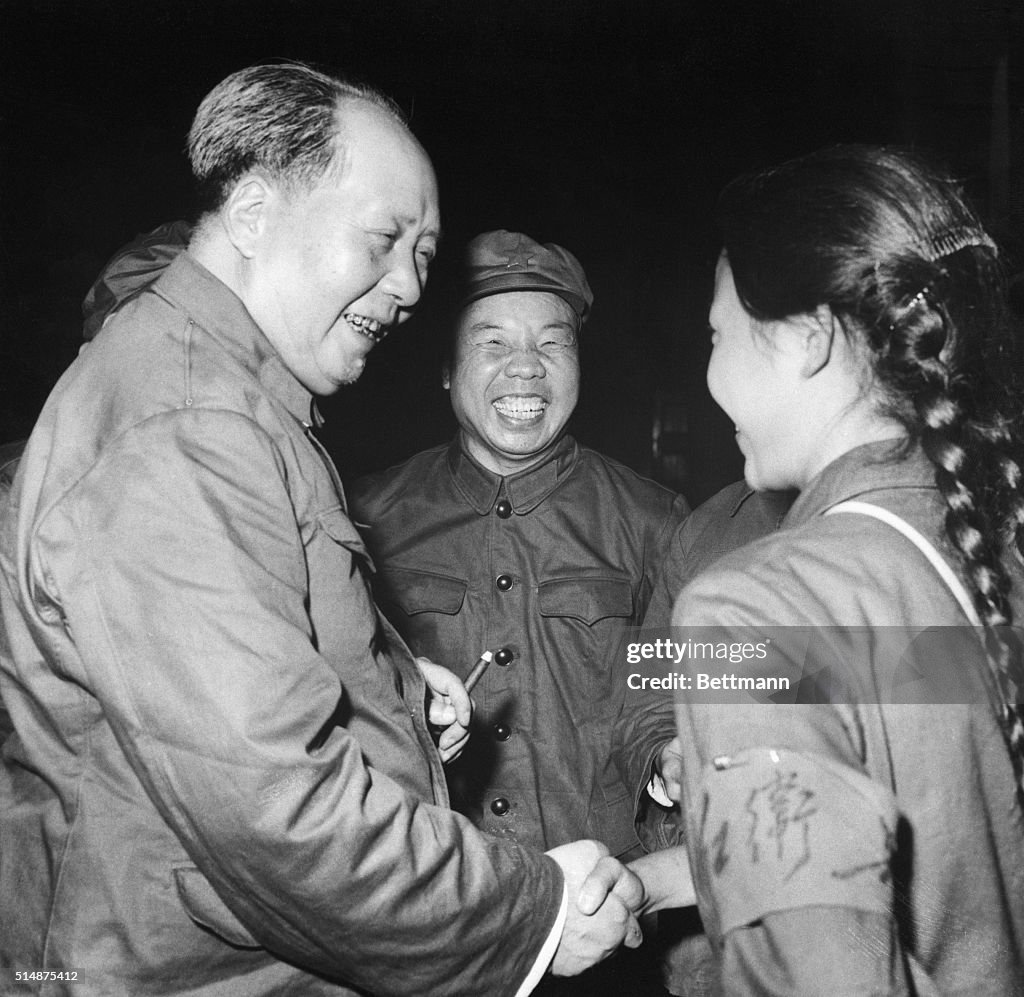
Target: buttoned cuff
point(547, 952)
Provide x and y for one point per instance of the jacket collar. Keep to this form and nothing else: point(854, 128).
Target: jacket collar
point(776, 503)
point(214, 307)
point(883, 465)
point(525, 490)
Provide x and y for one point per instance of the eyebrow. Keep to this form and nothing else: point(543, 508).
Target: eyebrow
point(485, 325)
point(408, 221)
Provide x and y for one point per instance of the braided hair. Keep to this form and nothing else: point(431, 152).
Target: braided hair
point(891, 246)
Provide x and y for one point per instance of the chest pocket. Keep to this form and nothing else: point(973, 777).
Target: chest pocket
point(586, 599)
point(343, 532)
point(415, 591)
point(340, 607)
point(585, 620)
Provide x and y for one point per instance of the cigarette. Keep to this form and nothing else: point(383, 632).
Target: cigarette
point(478, 669)
point(502, 656)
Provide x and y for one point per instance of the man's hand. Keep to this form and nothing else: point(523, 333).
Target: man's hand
point(603, 899)
point(449, 708)
point(670, 768)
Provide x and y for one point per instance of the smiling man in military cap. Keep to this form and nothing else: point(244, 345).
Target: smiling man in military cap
point(516, 536)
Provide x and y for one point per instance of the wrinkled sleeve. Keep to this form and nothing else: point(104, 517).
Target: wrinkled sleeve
point(179, 571)
point(673, 572)
point(646, 721)
point(665, 570)
point(790, 840)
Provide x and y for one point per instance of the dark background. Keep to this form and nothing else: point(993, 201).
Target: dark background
point(607, 126)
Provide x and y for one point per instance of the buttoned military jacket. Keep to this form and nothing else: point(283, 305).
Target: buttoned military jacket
point(555, 563)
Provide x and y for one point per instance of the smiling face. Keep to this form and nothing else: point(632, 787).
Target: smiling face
point(335, 267)
point(753, 377)
point(515, 377)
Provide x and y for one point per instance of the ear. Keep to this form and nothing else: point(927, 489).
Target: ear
point(245, 212)
point(446, 376)
point(817, 332)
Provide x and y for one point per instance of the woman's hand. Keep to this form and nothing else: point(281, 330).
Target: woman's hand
point(666, 878)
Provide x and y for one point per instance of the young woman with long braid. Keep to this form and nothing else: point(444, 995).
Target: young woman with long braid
point(858, 845)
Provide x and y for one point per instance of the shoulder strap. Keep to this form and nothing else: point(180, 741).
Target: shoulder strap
point(878, 747)
point(922, 544)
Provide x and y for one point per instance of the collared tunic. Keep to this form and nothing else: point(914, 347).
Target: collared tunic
point(554, 563)
point(221, 781)
point(849, 847)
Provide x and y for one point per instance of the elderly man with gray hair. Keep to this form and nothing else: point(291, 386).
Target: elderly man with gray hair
point(221, 779)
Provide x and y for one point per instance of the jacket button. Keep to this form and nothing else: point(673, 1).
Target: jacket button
point(502, 732)
point(503, 509)
point(504, 582)
point(500, 806)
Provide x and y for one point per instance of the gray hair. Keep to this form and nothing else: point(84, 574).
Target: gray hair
point(280, 119)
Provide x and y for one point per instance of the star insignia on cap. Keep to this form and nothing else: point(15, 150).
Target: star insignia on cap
point(519, 260)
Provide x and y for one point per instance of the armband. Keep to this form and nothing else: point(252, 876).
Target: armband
point(779, 830)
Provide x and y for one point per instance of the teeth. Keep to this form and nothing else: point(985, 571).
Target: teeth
point(520, 407)
point(369, 327)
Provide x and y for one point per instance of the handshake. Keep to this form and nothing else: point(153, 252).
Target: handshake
point(605, 902)
point(606, 899)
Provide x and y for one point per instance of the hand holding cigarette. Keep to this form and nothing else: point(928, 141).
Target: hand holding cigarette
point(449, 708)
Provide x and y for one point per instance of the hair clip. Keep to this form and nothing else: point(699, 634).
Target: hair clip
point(923, 297)
point(952, 241)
